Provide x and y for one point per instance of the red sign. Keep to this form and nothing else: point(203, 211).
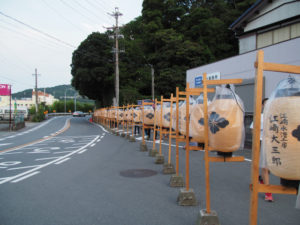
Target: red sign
point(5, 89)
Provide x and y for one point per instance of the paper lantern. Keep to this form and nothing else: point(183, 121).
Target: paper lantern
point(225, 121)
point(120, 114)
point(281, 130)
point(166, 115)
point(148, 115)
point(157, 115)
point(182, 116)
point(196, 128)
point(137, 115)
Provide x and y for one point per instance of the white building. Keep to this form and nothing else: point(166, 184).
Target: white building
point(48, 99)
point(273, 26)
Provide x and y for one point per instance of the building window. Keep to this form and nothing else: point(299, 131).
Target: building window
point(278, 35)
point(264, 39)
point(295, 30)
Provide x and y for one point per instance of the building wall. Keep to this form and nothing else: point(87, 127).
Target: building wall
point(274, 12)
point(242, 66)
point(4, 100)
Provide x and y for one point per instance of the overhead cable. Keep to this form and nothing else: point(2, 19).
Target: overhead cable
point(39, 31)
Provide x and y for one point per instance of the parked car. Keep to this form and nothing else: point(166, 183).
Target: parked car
point(78, 114)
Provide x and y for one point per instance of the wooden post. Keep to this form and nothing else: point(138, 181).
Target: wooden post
point(187, 142)
point(177, 131)
point(170, 129)
point(154, 127)
point(143, 130)
point(206, 154)
point(160, 125)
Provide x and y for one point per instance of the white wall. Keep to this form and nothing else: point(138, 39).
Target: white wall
point(270, 14)
point(242, 66)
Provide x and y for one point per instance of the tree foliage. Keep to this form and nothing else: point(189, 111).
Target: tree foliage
point(170, 35)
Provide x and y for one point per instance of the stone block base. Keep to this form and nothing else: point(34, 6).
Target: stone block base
point(159, 159)
point(177, 181)
point(168, 168)
point(143, 147)
point(207, 219)
point(123, 134)
point(153, 152)
point(132, 139)
point(186, 197)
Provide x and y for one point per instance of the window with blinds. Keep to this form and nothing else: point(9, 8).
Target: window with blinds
point(278, 35)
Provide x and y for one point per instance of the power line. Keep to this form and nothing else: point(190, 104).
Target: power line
point(88, 10)
point(65, 18)
point(29, 38)
point(68, 5)
point(39, 31)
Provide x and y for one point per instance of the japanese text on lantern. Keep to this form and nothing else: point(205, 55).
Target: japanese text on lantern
point(279, 140)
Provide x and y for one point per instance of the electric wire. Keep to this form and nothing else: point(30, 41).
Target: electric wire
point(90, 11)
point(50, 45)
point(39, 31)
point(105, 11)
point(62, 16)
point(74, 9)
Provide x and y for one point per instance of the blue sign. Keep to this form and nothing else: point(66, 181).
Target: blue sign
point(198, 81)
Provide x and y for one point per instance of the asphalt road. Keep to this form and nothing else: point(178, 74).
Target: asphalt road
point(73, 175)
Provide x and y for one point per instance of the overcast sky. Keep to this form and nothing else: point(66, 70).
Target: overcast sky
point(22, 49)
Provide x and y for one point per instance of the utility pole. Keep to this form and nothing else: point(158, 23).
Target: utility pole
point(36, 92)
point(152, 76)
point(116, 29)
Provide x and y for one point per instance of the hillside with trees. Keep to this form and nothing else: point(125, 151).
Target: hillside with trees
point(172, 36)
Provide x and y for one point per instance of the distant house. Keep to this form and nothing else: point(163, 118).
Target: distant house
point(273, 26)
point(43, 97)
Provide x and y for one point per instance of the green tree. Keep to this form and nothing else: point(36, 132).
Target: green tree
point(92, 68)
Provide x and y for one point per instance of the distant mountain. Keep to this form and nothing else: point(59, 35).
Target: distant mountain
point(57, 91)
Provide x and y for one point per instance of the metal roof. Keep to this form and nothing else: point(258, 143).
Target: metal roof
point(248, 13)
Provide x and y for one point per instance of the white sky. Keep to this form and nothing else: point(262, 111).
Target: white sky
point(23, 49)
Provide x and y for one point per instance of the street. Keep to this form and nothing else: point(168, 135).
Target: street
point(69, 171)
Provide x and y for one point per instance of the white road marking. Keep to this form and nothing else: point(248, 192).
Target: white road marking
point(84, 150)
point(25, 177)
point(66, 159)
point(5, 144)
point(10, 153)
point(249, 160)
point(92, 145)
point(46, 158)
point(10, 163)
point(24, 167)
point(62, 152)
point(47, 164)
point(71, 147)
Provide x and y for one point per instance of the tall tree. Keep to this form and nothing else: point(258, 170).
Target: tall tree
point(92, 68)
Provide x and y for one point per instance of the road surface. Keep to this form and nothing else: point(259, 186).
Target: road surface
point(69, 171)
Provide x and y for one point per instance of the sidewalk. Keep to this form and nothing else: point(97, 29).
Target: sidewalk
point(4, 128)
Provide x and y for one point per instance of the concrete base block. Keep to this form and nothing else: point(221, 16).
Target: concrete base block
point(128, 136)
point(143, 147)
point(123, 134)
point(117, 133)
point(132, 139)
point(153, 152)
point(207, 219)
point(187, 197)
point(177, 181)
point(159, 159)
point(168, 168)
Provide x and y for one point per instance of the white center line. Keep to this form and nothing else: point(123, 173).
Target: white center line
point(59, 162)
point(84, 150)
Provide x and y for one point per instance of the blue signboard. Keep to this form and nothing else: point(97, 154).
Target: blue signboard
point(198, 81)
